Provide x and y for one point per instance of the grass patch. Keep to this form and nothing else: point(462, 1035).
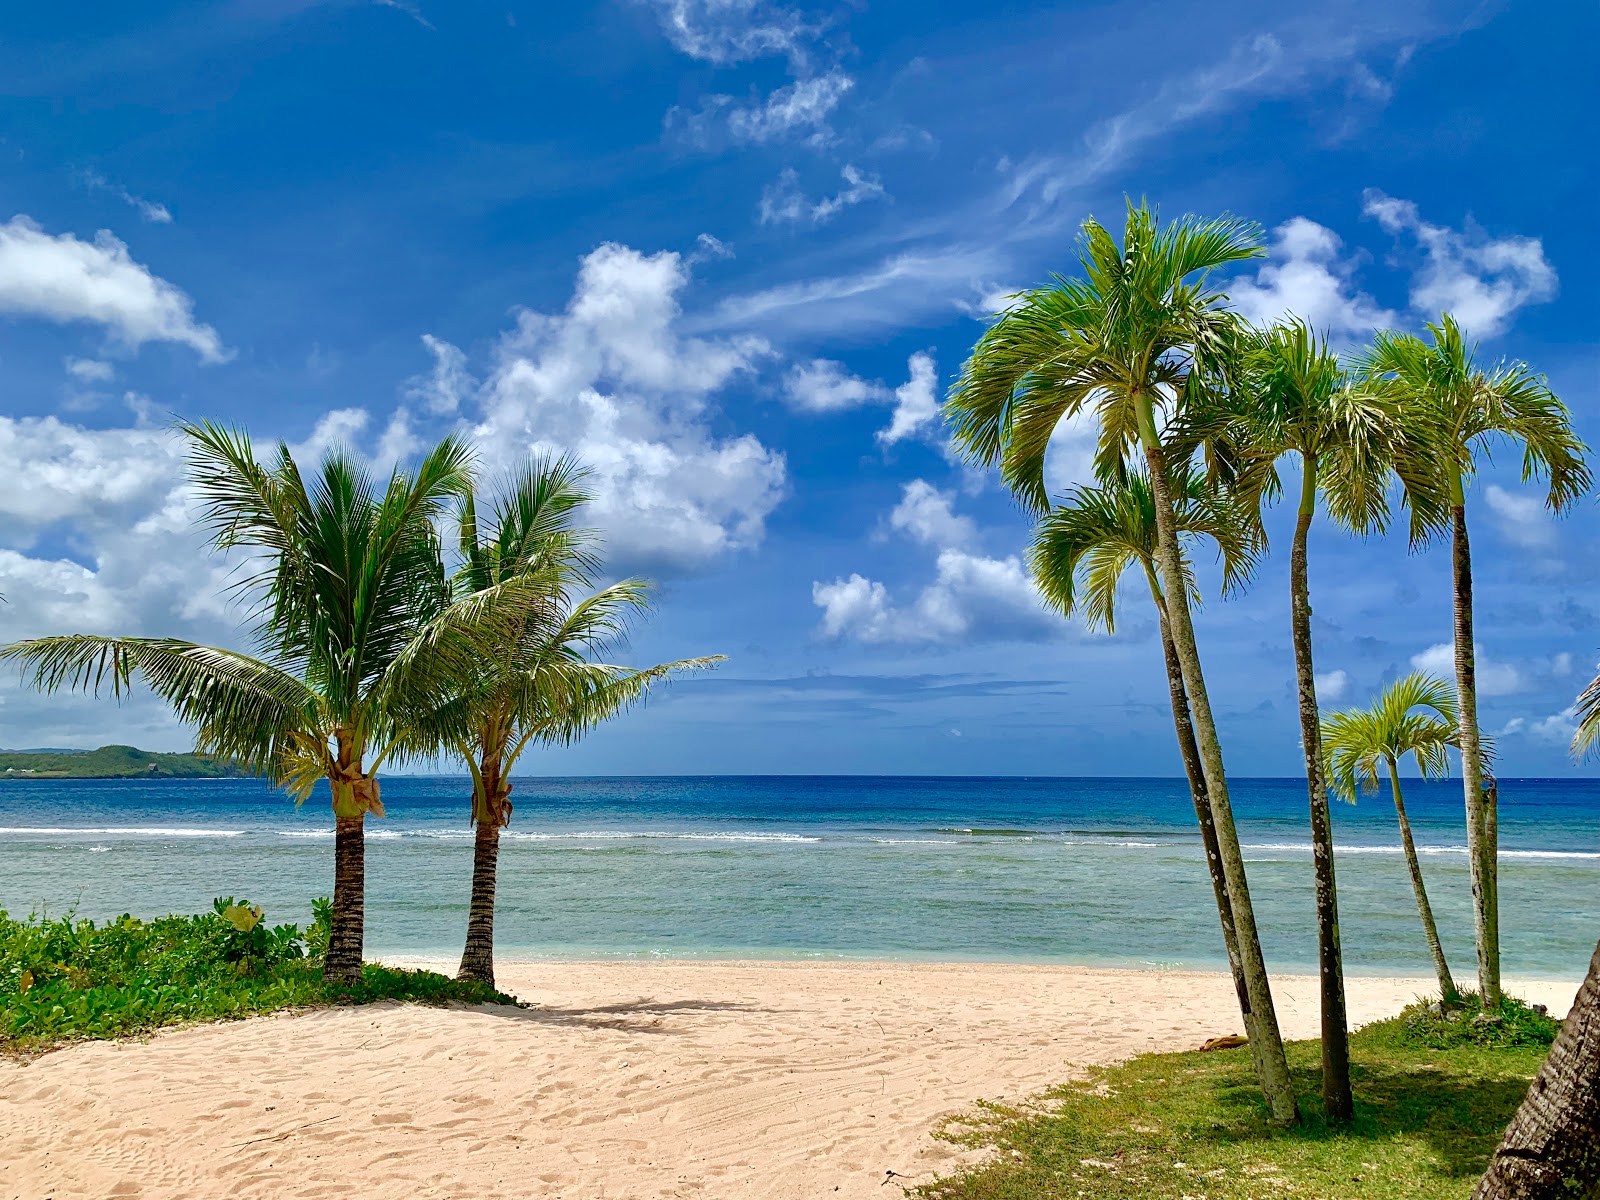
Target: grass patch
point(64, 980)
point(1193, 1125)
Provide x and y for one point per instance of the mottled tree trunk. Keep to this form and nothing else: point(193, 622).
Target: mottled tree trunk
point(349, 899)
point(1481, 823)
point(1192, 767)
point(1262, 1019)
point(1337, 1104)
point(1551, 1150)
point(477, 962)
point(1447, 985)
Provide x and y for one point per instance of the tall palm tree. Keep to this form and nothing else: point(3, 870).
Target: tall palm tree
point(1451, 410)
point(1126, 342)
point(1358, 741)
point(541, 686)
point(354, 624)
point(1080, 553)
point(1295, 402)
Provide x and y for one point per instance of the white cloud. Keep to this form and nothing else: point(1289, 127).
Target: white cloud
point(64, 279)
point(614, 381)
point(783, 202)
point(971, 596)
point(1478, 279)
point(90, 370)
point(156, 214)
point(1306, 278)
point(803, 104)
point(337, 427)
point(1521, 518)
point(823, 386)
point(729, 31)
point(1556, 729)
point(1494, 678)
point(916, 402)
point(1332, 686)
point(442, 388)
point(1561, 665)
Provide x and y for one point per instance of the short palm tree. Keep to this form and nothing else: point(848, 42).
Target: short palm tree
point(542, 686)
point(1080, 553)
point(1295, 402)
point(1416, 716)
point(1451, 410)
point(1128, 342)
point(355, 626)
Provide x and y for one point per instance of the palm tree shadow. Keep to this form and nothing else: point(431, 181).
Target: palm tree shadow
point(644, 1015)
point(1461, 1120)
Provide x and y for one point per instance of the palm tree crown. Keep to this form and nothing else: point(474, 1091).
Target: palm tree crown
point(1415, 715)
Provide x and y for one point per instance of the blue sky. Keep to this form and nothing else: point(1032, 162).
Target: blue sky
point(731, 252)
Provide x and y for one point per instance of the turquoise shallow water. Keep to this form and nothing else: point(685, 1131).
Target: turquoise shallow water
point(1096, 871)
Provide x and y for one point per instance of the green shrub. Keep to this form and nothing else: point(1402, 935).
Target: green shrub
point(63, 979)
point(1515, 1023)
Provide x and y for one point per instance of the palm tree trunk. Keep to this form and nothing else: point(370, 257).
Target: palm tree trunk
point(1184, 724)
point(1481, 823)
point(1551, 1150)
point(477, 961)
point(1261, 1021)
point(1337, 1104)
point(1448, 996)
point(343, 961)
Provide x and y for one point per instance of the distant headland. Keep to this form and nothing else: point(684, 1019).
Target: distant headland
point(112, 762)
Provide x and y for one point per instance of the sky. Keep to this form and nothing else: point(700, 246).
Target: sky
point(731, 254)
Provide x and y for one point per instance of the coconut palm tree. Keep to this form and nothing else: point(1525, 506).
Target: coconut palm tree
point(1358, 741)
point(355, 629)
point(541, 687)
point(1452, 410)
point(1295, 402)
point(1080, 553)
point(1125, 344)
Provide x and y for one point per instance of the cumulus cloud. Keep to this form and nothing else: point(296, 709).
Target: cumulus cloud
point(1556, 729)
point(90, 370)
point(1494, 678)
point(782, 201)
point(614, 381)
point(916, 402)
point(441, 389)
point(1479, 279)
point(824, 386)
point(1306, 277)
point(1521, 518)
point(972, 595)
point(1332, 686)
point(61, 278)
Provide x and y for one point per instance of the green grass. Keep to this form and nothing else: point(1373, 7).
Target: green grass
point(1193, 1125)
point(112, 762)
point(65, 980)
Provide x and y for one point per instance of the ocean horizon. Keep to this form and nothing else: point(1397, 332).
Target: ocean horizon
point(1093, 871)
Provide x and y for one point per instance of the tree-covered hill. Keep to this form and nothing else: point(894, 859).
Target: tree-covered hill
point(111, 762)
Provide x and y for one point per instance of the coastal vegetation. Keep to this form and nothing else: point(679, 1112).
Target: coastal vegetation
point(1166, 1126)
point(65, 980)
point(113, 762)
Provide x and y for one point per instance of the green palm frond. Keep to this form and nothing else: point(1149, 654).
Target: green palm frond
point(1416, 715)
point(1139, 322)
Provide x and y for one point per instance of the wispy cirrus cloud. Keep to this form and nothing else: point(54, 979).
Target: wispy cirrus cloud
point(782, 202)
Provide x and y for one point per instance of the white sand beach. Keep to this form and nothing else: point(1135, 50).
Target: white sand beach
point(628, 1081)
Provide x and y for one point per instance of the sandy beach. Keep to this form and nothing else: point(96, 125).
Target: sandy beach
point(628, 1081)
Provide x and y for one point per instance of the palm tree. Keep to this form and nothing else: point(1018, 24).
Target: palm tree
point(1295, 402)
point(1451, 409)
point(541, 686)
point(1079, 555)
point(1126, 342)
point(1358, 741)
point(355, 628)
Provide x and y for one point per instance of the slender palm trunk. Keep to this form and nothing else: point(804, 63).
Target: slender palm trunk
point(477, 961)
point(1448, 995)
point(1481, 820)
point(343, 961)
point(1337, 1104)
point(1184, 724)
point(1261, 1022)
point(1551, 1150)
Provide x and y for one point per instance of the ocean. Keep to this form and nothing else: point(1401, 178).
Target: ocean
point(1090, 871)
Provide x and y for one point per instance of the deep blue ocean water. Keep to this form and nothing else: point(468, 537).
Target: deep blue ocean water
point(1094, 871)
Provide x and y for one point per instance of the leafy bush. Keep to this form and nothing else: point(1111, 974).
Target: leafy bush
point(63, 979)
point(1427, 1026)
